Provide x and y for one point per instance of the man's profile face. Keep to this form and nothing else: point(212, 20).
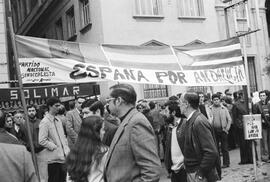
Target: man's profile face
point(183, 104)
point(86, 112)
point(55, 108)
point(79, 102)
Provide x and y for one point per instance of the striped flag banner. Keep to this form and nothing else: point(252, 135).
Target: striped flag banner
point(55, 61)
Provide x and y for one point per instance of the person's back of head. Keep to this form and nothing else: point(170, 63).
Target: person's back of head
point(51, 101)
point(97, 106)
point(173, 107)
point(152, 105)
point(193, 99)
point(87, 149)
point(125, 91)
point(88, 103)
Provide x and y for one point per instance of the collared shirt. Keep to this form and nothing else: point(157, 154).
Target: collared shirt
point(123, 117)
point(190, 115)
point(16, 127)
point(176, 153)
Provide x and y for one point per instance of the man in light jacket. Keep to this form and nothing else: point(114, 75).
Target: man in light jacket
point(52, 137)
point(221, 123)
point(74, 122)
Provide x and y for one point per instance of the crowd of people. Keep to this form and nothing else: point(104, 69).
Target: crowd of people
point(122, 139)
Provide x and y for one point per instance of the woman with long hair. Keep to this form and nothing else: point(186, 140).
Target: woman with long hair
point(85, 162)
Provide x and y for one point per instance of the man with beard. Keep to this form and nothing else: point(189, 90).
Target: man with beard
point(174, 158)
point(34, 128)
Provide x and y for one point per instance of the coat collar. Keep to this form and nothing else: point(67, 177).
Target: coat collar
point(119, 132)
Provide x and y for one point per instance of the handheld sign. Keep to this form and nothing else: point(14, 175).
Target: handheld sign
point(252, 126)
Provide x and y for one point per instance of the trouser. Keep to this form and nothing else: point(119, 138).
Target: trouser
point(222, 137)
point(57, 172)
point(42, 166)
point(232, 137)
point(245, 147)
point(179, 176)
point(265, 143)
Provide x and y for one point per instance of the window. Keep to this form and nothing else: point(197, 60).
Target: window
point(148, 8)
point(71, 27)
point(59, 29)
point(191, 8)
point(155, 91)
point(252, 74)
point(85, 12)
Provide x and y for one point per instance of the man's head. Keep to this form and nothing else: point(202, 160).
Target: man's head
point(216, 99)
point(2, 119)
point(32, 111)
point(9, 122)
point(54, 105)
point(201, 96)
point(189, 102)
point(152, 105)
point(78, 103)
point(122, 98)
point(262, 95)
point(173, 109)
point(18, 118)
point(92, 107)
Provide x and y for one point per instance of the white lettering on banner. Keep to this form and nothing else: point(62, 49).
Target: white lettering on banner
point(68, 70)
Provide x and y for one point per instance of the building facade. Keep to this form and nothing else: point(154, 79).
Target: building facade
point(142, 22)
point(4, 71)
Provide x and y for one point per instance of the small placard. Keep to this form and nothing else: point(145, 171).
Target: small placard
point(252, 126)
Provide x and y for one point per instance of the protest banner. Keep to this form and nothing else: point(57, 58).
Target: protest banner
point(51, 61)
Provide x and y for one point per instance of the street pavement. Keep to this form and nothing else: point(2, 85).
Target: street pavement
point(236, 172)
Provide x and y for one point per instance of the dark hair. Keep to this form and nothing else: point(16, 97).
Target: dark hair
point(2, 119)
point(175, 98)
point(193, 99)
point(71, 104)
point(215, 96)
point(152, 105)
point(88, 103)
point(263, 91)
point(125, 91)
point(235, 95)
point(41, 111)
point(31, 106)
point(87, 147)
point(61, 110)
point(52, 100)
point(228, 100)
point(97, 105)
point(174, 107)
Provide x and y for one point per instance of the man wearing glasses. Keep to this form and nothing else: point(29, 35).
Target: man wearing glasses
point(133, 154)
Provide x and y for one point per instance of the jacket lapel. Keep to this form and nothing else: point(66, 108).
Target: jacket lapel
point(118, 134)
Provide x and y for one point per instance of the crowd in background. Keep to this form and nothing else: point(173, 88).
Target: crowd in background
point(61, 138)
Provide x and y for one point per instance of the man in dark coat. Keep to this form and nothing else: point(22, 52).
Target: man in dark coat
point(198, 142)
point(174, 158)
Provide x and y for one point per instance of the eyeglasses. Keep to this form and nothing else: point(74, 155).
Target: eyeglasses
point(109, 100)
